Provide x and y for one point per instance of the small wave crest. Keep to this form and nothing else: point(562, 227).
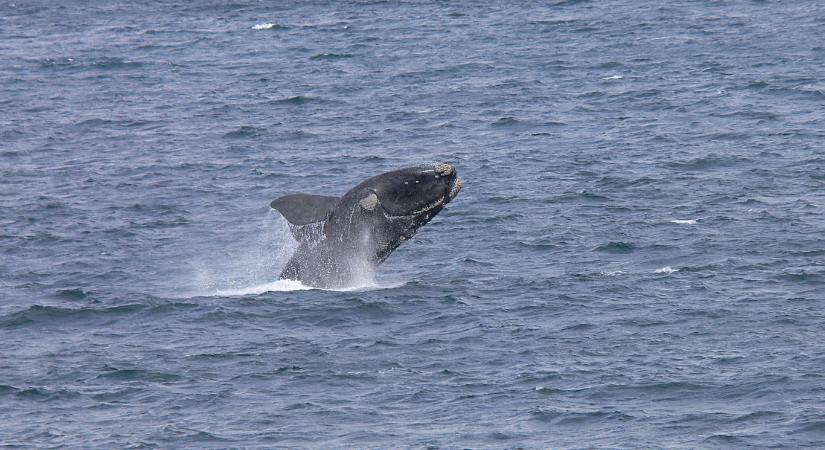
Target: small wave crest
point(616, 247)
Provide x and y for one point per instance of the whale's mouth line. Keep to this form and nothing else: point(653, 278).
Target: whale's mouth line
point(418, 212)
point(414, 213)
point(446, 198)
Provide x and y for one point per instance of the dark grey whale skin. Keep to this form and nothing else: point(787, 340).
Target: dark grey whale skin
point(342, 239)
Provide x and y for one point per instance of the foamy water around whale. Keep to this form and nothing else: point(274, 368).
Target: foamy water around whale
point(293, 285)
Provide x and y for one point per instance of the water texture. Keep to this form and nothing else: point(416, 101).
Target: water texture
point(636, 259)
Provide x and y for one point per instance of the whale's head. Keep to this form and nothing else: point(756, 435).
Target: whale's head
point(394, 205)
point(418, 192)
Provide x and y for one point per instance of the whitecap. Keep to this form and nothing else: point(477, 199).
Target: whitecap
point(612, 273)
point(684, 221)
point(263, 26)
point(613, 77)
point(666, 270)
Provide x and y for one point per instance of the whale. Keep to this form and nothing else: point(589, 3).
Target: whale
point(342, 239)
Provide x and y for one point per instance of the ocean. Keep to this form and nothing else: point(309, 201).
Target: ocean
point(636, 260)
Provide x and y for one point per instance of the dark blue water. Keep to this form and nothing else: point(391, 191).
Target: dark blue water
point(636, 260)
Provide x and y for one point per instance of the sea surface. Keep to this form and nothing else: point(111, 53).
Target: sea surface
point(637, 258)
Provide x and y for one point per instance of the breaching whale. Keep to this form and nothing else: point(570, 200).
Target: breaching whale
point(339, 238)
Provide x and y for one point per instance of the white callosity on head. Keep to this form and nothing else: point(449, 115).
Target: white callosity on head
point(456, 187)
point(443, 169)
point(369, 202)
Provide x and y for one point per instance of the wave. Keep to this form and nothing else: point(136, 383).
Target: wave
point(136, 374)
point(57, 314)
point(49, 315)
point(297, 100)
point(331, 56)
point(244, 132)
point(616, 247)
point(38, 393)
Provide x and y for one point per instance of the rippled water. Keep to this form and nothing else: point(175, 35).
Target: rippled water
point(636, 259)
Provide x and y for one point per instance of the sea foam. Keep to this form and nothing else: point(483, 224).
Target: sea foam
point(275, 286)
point(295, 285)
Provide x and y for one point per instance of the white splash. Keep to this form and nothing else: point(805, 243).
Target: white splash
point(247, 265)
point(275, 286)
point(684, 221)
point(263, 26)
point(666, 270)
point(295, 285)
point(613, 77)
point(372, 286)
point(248, 262)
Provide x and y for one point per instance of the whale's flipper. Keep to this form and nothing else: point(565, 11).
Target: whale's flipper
point(304, 209)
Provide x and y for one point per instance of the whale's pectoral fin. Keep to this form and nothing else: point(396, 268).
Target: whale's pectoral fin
point(304, 209)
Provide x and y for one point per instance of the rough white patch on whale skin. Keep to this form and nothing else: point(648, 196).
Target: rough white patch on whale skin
point(456, 187)
point(369, 202)
point(443, 169)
